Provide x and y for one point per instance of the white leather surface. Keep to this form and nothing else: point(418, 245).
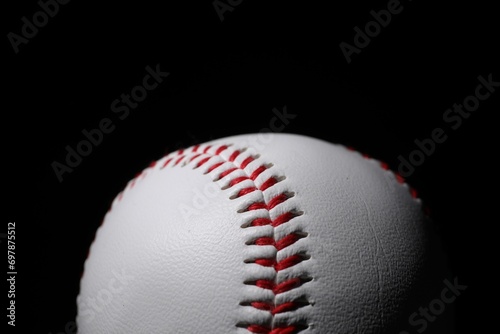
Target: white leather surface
point(176, 243)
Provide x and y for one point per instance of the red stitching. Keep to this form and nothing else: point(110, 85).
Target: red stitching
point(277, 288)
point(227, 172)
point(265, 306)
point(386, 167)
point(234, 156)
point(214, 166)
point(283, 218)
point(264, 330)
point(281, 265)
point(257, 172)
point(202, 162)
point(401, 180)
point(194, 156)
point(246, 162)
point(280, 287)
point(237, 180)
point(166, 163)
point(261, 222)
point(287, 241)
point(245, 191)
point(221, 149)
point(288, 262)
point(280, 244)
point(269, 183)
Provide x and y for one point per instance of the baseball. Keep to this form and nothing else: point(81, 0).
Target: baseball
point(266, 233)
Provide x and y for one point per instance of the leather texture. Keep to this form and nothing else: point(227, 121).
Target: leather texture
point(176, 252)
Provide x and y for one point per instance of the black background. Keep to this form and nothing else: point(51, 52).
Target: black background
point(225, 78)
